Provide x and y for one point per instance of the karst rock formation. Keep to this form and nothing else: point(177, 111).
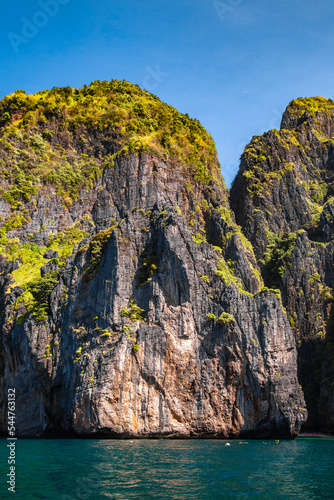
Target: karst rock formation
point(138, 296)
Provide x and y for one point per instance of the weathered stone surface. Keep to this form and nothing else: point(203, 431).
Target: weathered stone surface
point(191, 375)
point(131, 302)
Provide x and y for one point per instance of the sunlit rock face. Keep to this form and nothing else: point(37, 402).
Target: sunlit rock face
point(132, 304)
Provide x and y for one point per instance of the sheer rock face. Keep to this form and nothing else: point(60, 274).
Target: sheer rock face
point(97, 365)
point(283, 199)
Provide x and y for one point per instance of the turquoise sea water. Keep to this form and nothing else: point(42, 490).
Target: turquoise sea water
point(170, 469)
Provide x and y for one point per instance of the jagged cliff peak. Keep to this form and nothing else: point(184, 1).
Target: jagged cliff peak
point(290, 171)
point(313, 113)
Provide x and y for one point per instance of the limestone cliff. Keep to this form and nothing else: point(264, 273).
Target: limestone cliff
point(286, 182)
point(132, 304)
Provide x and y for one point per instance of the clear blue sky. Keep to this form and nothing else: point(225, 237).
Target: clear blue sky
point(233, 64)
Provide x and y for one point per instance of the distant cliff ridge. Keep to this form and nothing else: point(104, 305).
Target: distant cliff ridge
point(286, 182)
point(134, 301)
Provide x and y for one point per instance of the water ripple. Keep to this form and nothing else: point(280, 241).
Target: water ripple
point(176, 469)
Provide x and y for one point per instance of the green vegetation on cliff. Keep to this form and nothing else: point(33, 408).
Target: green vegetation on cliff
point(313, 105)
point(48, 137)
point(277, 254)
